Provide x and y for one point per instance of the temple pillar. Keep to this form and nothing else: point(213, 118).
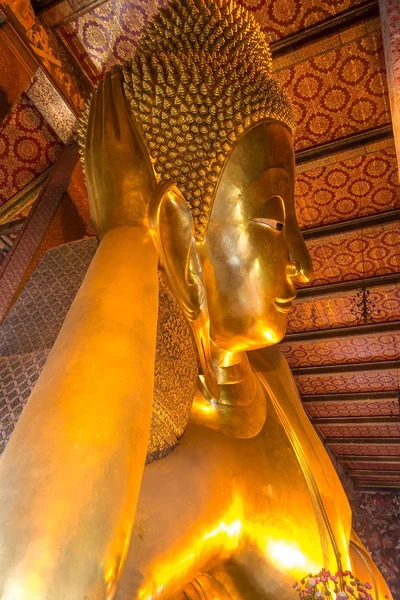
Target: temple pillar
point(28, 247)
point(390, 19)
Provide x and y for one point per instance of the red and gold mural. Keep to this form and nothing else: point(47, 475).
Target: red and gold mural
point(28, 146)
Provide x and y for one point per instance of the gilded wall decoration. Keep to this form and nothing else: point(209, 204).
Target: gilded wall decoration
point(348, 256)
point(347, 383)
point(28, 146)
point(52, 107)
point(335, 310)
point(107, 34)
point(338, 92)
point(348, 189)
point(346, 350)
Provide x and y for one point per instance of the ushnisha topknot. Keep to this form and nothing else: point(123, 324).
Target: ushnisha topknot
point(200, 76)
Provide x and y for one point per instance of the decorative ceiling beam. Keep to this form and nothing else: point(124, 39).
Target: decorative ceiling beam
point(365, 396)
point(339, 332)
point(379, 486)
point(352, 225)
point(384, 365)
point(368, 10)
point(357, 441)
point(366, 472)
point(313, 293)
point(355, 420)
point(350, 142)
point(353, 458)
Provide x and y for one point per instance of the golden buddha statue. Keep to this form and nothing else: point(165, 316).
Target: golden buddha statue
point(190, 169)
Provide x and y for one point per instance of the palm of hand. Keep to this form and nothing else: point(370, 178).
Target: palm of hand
point(119, 174)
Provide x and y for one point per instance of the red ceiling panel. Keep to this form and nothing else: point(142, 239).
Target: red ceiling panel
point(348, 189)
point(280, 18)
point(338, 92)
point(345, 350)
point(335, 310)
point(367, 449)
point(353, 408)
point(348, 256)
point(347, 383)
point(361, 430)
point(28, 146)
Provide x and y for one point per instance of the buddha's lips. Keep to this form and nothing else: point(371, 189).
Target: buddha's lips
point(284, 304)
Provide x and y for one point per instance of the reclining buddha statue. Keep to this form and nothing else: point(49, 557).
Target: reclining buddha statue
point(189, 162)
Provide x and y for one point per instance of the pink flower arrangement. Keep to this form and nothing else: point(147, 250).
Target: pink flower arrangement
point(342, 585)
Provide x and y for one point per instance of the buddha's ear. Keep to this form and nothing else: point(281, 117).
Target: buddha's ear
point(172, 226)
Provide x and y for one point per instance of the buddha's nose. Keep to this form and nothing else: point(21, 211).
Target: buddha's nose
point(299, 267)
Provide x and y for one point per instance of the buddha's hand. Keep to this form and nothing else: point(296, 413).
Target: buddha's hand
point(119, 174)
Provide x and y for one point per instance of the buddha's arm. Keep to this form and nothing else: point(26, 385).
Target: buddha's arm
point(70, 475)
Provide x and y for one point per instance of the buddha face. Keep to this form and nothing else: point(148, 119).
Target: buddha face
point(254, 251)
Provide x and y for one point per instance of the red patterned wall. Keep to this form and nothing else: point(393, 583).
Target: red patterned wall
point(28, 146)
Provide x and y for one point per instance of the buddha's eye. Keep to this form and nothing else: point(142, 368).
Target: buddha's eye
point(278, 225)
point(271, 213)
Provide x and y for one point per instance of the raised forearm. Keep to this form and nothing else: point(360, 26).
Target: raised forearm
point(70, 476)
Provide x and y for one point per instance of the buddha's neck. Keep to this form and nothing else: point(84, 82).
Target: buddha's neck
point(236, 380)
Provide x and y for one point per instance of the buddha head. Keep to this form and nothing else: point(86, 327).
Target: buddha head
point(219, 129)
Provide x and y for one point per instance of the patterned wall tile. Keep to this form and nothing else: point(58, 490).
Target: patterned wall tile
point(346, 350)
point(18, 375)
point(361, 430)
point(347, 256)
point(338, 92)
point(347, 383)
point(352, 408)
point(367, 449)
point(52, 107)
point(281, 18)
point(348, 189)
point(335, 310)
point(28, 146)
point(108, 34)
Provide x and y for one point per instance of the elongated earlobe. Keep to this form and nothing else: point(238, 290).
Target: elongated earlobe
point(173, 230)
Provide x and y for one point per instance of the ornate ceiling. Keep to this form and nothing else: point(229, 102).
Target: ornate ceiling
point(329, 58)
